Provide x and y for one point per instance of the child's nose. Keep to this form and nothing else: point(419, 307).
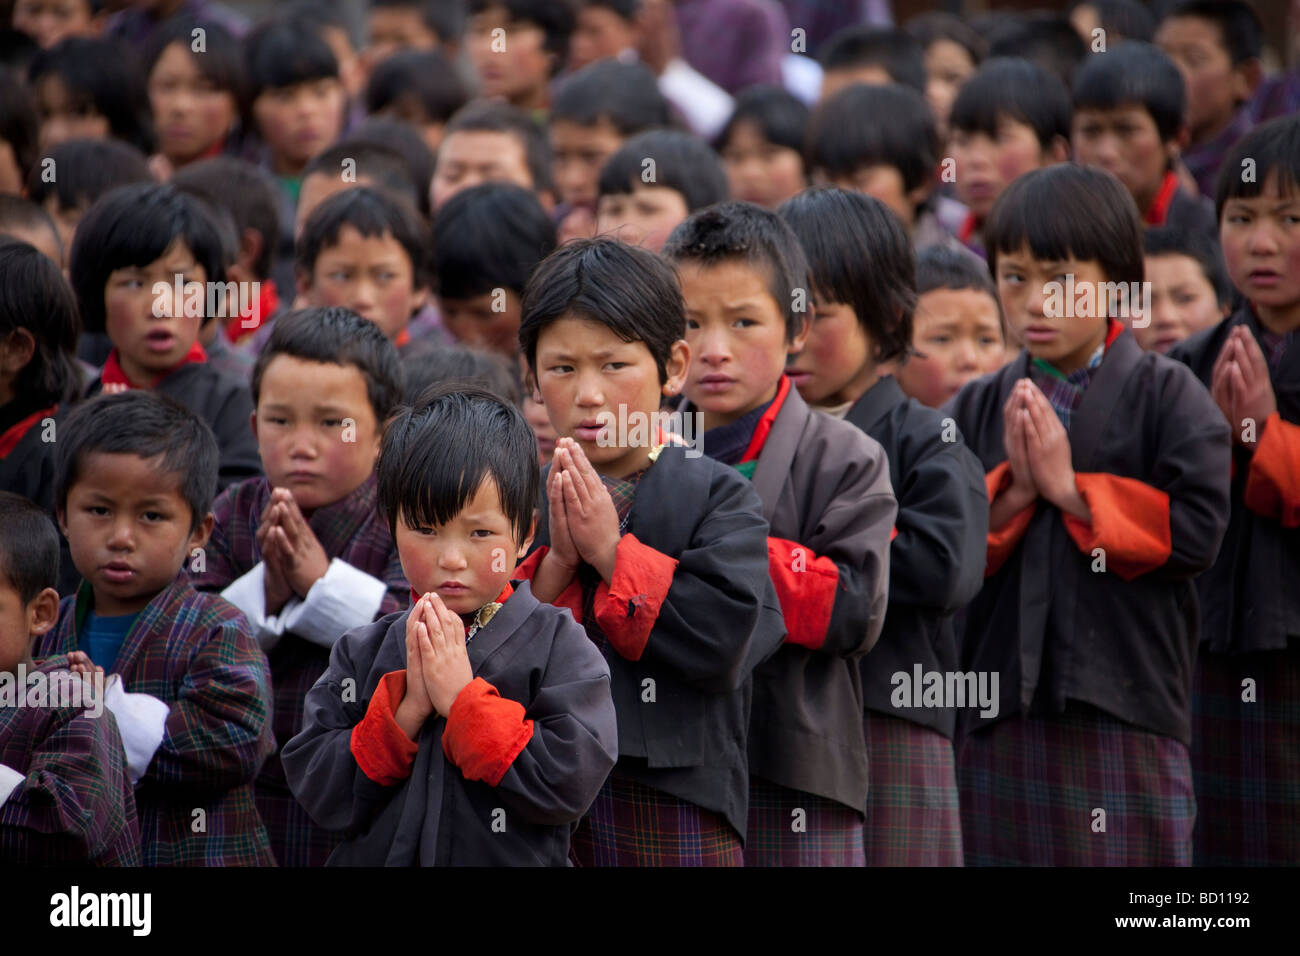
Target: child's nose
point(121, 536)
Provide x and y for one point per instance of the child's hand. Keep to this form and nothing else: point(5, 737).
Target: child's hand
point(302, 559)
point(79, 662)
point(1014, 416)
point(444, 655)
point(593, 520)
point(274, 585)
point(1050, 461)
point(1221, 386)
point(1249, 389)
point(415, 706)
point(563, 551)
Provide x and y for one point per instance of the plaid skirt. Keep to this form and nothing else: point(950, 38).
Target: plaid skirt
point(1032, 788)
point(295, 839)
point(913, 816)
point(1246, 759)
point(826, 833)
point(631, 824)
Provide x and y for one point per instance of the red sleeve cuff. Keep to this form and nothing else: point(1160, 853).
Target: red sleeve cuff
point(627, 608)
point(381, 748)
point(805, 584)
point(570, 597)
point(1130, 523)
point(1002, 541)
point(485, 732)
point(1273, 482)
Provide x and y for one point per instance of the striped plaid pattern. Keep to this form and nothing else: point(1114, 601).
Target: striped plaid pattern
point(829, 834)
point(913, 815)
point(195, 653)
point(623, 493)
point(631, 824)
point(1030, 789)
point(1065, 392)
point(1246, 759)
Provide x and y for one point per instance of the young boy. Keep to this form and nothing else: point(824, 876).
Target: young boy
point(1247, 731)
point(482, 725)
point(762, 146)
point(663, 558)
point(864, 318)
point(396, 25)
point(188, 685)
point(826, 494)
point(1190, 289)
point(871, 55)
point(350, 164)
point(953, 51)
point(492, 141)
point(1107, 472)
point(64, 794)
point(419, 87)
point(520, 70)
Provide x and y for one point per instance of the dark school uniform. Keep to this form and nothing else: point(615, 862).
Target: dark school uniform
point(193, 707)
point(364, 582)
point(689, 613)
point(1091, 627)
point(1176, 209)
point(936, 566)
point(1246, 740)
point(64, 794)
point(499, 781)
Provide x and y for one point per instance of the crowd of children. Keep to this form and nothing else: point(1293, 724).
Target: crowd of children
point(607, 433)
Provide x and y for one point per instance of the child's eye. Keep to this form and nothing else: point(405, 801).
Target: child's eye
point(616, 365)
point(154, 516)
point(278, 420)
point(940, 339)
point(482, 532)
point(98, 511)
point(338, 275)
point(692, 324)
point(1011, 277)
point(332, 422)
point(560, 369)
point(426, 532)
point(745, 323)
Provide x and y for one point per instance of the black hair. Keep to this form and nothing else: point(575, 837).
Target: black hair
point(403, 139)
point(19, 213)
point(317, 13)
point(487, 237)
point(625, 9)
point(147, 424)
point(487, 116)
point(382, 165)
point(280, 53)
point(221, 61)
point(1238, 24)
point(133, 226)
point(842, 230)
point(1126, 19)
point(942, 267)
point(444, 17)
point(781, 117)
point(1093, 218)
point(1045, 38)
point(29, 547)
point(97, 74)
point(245, 191)
point(632, 292)
point(336, 336)
point(436, 454)
point(1018, 89)
point(421, 77)
point(895, 51)
point(1133, 73)
point(1271, 148)
point(554, 19)
point(901, 133)
point(17, 50)
point(370, 212)
point(626, 95)
point(19, 125)
point(35, 296)
point(681, 161)
point(1164, 241)
point(426, 363)
point(86, 169)
point(930, 28)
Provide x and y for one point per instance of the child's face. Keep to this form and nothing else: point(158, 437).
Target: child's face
point(578, 154)
point(151, 330)
point(986, 165)
point(21, 622)
point(299, 121)
point(598, 34)
point(315, 189)
point(63, 118)
point(644, 217)
point(760, 171)
point(128, 527)
point(190, 114)
point(514, 66)
point(468, 560)
point(1067, 341)
point(836, 364)
point(49, 21)
point(1182, 302)
point(886, 184)
point(947, 67)
point(958, 335)
point(392, 29)
point(371, 275)
point(474, 322)
point(1261, 246)
point(587, 374)
point(316, 430)
point(65, 220)
point(540, 423)
point(471, 157)
point(1214, 88)
point(1123, 141)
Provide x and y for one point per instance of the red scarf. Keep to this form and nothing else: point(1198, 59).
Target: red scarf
point(268, 300)
point(10, 438)
point(764, 425)
point(1159, 210)
point(113, 379)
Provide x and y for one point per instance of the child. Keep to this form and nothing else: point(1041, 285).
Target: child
point(303, 552)
point(393, 26)
point(1012, 116)
point(663, 558)
point(1216, 44)
point(28, 222)
point(1128, 120)
point(486, 243)
point(762, 146)
point(1044, 38)
point(538, 41)
point(64, 793)
point(654, 181)
point(953, 52)
point(125, 263)
point(482, 725)
point(48, 22)
point(368, 252)
point(1247, 728)
point(1190, 289)
point(347, 165)
point(602, 30)
point(189, 686)
point(19, 132)
point(426, 364)
point(958, 332)
point(868, 54)
point(934, 558)
point(492, 141)
point(1108, 485)
point(826, 495)
point(1120, 19)
point(420, 87)
point(86, 89)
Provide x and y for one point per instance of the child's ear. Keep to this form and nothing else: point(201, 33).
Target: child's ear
point(60, 518)
point(304, 282)
point(796, 344)
point(1245, 79)
point(421, 298)
point(679, 360)
point(919, 194)
point(16, 351)
point(199, 536)
point(1057, 152)
point(528, 541)
point(252, 422)
point(43, 612)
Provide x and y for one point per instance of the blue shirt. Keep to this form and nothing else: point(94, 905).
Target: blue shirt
point(103, 636)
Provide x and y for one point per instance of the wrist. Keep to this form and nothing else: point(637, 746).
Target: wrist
point(409, 718)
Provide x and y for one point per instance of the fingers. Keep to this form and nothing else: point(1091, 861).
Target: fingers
point(453, 629)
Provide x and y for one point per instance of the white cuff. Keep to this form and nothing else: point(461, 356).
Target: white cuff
point(142, 721)
point(704, 105)
point(248, 593)
point(10, 780)
point(345, 597)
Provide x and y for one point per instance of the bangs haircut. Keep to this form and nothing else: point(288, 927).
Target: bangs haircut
point(1274, 151)
point(382, 165)
point(682, 162)
point(87, 169)
point(901, 134)
point(1016, 89)
point(221, 62)
point(487, 237)
point(281, 53)
point(373, 213)
point(940, 267)
point(148, 425)
point(1239, 27)
point(131, 227)
point(35, 296)
point(405, 140)
point(487, 116)
point(444, 17)
point(895, 51)
point(555, 18)
point(629, 290)
point(626, 95)
point(245, 191)
point(96, 74)
point(840, 231)
point(29, 547)
point(930, 28)
point(1134, 74)
point(336, 336)
point(780, 117)
point(747, 233)
point(1163, 241)
point(1045, 38)
point(1093, 218)
point(426, 363)
point(436, 455)
point(425, 78)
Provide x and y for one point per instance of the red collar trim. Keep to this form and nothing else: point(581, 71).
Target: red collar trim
point(268, 300)
point(764, 425)
point(14, 434)
point(967, 228)
point(1113, 332)
point(403, 339)
point(112, 378)
point(1160, 205)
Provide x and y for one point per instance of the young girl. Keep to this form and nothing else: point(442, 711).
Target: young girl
point(762, 146)
point(1190, 290)
point(86, 88)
